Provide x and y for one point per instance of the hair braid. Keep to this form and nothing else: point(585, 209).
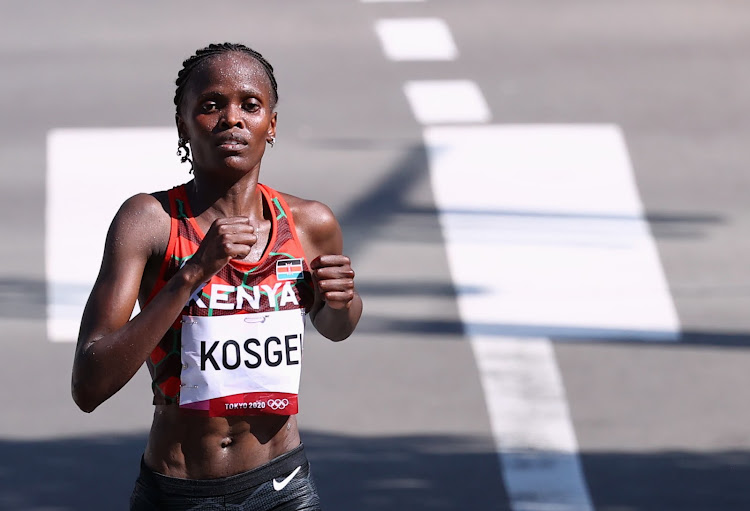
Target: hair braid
point(213, 50)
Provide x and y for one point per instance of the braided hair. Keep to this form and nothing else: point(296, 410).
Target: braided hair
point(191, 63)
point(212, 50)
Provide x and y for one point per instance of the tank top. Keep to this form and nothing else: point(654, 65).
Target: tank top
point(236, 348)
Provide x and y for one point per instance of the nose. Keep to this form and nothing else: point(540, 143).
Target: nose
point(233, 116)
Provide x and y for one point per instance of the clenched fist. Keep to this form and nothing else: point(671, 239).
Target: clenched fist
point(334, 279)
point(228, 238)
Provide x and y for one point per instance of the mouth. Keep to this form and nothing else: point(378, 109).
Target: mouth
point(231, 142)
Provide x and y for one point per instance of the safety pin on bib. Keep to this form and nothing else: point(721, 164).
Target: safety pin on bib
point(256, 319)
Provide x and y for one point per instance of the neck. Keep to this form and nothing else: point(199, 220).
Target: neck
point(240, 197)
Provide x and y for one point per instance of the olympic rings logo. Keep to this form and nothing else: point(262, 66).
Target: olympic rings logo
point(277, 404)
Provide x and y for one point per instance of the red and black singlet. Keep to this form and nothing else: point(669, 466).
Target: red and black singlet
point(269, 352)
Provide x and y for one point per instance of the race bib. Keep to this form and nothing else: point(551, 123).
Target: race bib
point(242, 364)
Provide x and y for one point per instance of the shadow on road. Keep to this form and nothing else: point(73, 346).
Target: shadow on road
point(371, 473)
point(426, 329)
point(402, 473)
point(669, 481)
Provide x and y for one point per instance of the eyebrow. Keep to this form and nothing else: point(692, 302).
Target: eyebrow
point(217, 93)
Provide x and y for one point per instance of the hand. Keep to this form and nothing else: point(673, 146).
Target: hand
point(226, 239)
point(334, 280)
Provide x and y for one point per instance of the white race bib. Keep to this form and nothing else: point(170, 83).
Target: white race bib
point(242, 364)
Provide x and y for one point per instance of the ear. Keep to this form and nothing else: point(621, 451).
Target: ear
point(272, 125)
point(181, 131)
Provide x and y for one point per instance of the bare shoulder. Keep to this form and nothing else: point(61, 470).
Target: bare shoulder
point(144, 220)
point(311, 216)
point(153, 205)
point(316, 225)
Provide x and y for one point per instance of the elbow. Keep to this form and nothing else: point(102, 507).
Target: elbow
point(83, 386)
point(85, 400)
point(340, 337)
point(85, 405)
point(335, 334)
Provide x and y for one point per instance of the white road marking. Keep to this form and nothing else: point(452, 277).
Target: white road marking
point(531, 424)
point(387, 1)
point(447, 101)
point(90, 172)
point(416, 39)
point(545, 237)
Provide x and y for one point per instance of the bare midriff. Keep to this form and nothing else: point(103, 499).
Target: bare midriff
point(192, 447)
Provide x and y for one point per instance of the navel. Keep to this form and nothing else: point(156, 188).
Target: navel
point(226, 442)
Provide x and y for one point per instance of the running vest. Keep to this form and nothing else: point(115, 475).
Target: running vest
point(236, 348)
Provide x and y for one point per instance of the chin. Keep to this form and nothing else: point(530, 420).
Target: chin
point(239, 164)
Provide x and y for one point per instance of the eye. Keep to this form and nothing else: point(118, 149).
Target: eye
point(208, 106)
point(251, 107)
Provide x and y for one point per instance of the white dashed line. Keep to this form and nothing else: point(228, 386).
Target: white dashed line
point(447, 101)
point(85, 188)
point(545, 237)
point(416, 39)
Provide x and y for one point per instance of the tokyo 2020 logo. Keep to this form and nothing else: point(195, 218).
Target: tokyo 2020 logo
point(277, 404)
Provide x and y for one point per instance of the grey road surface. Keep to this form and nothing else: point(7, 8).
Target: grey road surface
point(395, 417)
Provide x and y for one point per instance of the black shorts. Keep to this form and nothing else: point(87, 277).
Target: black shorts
point(283, 484)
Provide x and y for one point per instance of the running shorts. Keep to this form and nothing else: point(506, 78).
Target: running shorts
point(282, 484)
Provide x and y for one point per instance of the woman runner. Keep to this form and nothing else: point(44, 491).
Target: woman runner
point(225, 270)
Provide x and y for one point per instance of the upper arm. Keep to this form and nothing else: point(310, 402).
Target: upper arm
point(139, 229)
point(317, 228)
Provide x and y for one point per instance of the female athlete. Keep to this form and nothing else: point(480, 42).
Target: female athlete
point(225, 270)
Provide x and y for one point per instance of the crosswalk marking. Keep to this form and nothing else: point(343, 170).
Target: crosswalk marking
point(416, 39)
point(90, 172)
point(447, 101)
point(545, 236)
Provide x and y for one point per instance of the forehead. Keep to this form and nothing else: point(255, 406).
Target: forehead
point(232, 70)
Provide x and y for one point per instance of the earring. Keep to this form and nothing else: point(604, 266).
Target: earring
point(183, 151)
point(271, 141)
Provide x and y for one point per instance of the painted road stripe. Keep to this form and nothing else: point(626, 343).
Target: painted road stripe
point(447, 101)
point(85, 187)
point(416, 39)
point(545, 232)
point(387, 1)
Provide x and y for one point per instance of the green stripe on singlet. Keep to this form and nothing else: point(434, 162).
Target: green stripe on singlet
point(278, 205)
point(290, 256)
point(208, 297)
point(246, 275)
point(276, 296)
point(180, 209)
point(175, 350)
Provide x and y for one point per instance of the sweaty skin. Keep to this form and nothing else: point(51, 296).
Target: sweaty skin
point(227, 115)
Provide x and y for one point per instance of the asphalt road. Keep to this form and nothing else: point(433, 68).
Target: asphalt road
point(395, 417)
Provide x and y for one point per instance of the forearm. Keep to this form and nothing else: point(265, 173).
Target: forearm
point(105, 363)
point(338, 324)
